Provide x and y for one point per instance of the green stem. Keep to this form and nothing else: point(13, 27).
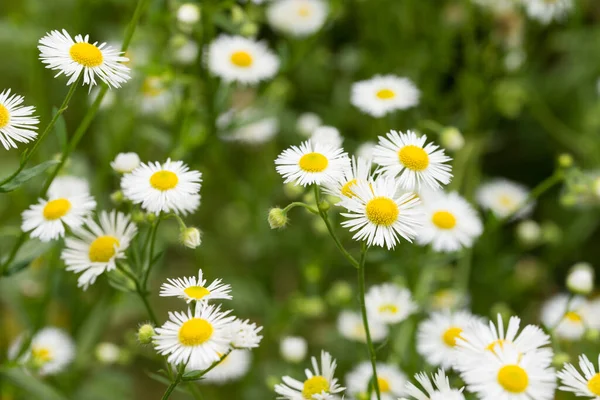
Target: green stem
point(300, 204)
point(6, 265)
point(173, 385)
point(148, 265)
point(144, 297)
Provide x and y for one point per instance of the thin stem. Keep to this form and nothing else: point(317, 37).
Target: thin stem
point(148, 265)
point(173, 385)
point(300, 204)
point(4, 267)
point(194, 391)
point(144, 298)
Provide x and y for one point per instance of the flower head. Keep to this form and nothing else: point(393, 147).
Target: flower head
point(390, 379)
point(381, 95)
point(195, 289)
point(50, 352)
point(389, 303)
point(583, 385)
point(297, 17)
point(17, 123)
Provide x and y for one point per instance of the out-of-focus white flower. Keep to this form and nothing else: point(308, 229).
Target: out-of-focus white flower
point(50, 352)
point(350, 326)
point(297, 17)
point(328, 135)
point(293, 348)
point(452, 139)
point(581, 278)
point(188, 14)
point(125, 162)
point(529, 232)
point(546, 11)
point(233, 367)
point(366, 149)
point(381, 95)
point(107, 353)
point(308, 122)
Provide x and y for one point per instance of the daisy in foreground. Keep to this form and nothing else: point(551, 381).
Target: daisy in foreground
point(96, 249)
point(17, 123)
point(504, 198)
point(236, 58)
point(586, 385)
point(380, 215)
point(320, 383)
point(168, 187)
point(195, 289)
point(389, 303)
point(359, 169)
point(76, 57)
point(405, 155)
point(381, 95)
point(50, 352)
point(437, 389)
point(297, 17)
point(390, 380)
point(312, 163)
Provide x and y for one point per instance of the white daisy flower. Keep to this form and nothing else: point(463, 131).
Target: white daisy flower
point(358, 170)
point(68, 185)
point(366, 150)
point(389, 303)
point(311, 163)
point(245, 334)
point(170, 187)
point(125, 162)
point(504, 198)
point(507, 374)
point(188, 13)
point(195, 289)
point(390, 379)
point(581, 278)
point(308, 122)
point(185, 52)
point(320, 383)
point(405, 155)
point(50, 352)
point(297, 17)
point(197, 338)
point(437, 336)
point(450, 223)
point(156, 96)
point(586, 385)
point(567, 316)
point(233, 367)
point(379, 214)
point(293, 348)
point(236, 58)
point(350, 325)
point(327, 135)
point(384, 94)
point(97, 248)
point(248, 126)
point(437, 388)
point(448, 299)
point(546, 11)
point(75, 57)
point(17, 123)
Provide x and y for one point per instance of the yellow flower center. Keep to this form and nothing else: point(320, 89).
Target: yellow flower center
point(152, 87)
point(513, 378)
point(451, 335)
point(315, 385)
point(86, 54)
point(241, 59)
point(494, 343)
point(56, 209)
point(572, 316)
point(103, 248)
point(347, 188)
point(506, 201)
point(197, 292)
point(388, 308)
point(41, 354)
point(304, 11)
point(443, 220)
point(413, 157)
point(313, 162)
point(384, 385)
point(164, 180)
point(4, 116)
point(385, 94)
point(594, 384)
point(195, 331)
point(382, 211)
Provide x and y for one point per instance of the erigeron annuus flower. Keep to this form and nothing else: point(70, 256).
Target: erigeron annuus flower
point(236, 58)
point(327, 135)
point(437, 336)
point(245, 334)
point(96, 248)
point(350, 325)
point(125, 162)
point(379, 214)
point(389, 303)
point(68, 185)
point(250, 126)
point(504, 198)
point(320, 383)
point(312, 163)
point(437, 388)
point(416, 165)
point(17, 122)
point(232, 368)
point(567, 317)
point(582, 385)
point(390, 379)
point(297, 17)
point(545, 11)
point(195, 289)
point(188, 13)
point(308, 122)
point(359, 169)
point(197, 338)
point(450, 222)
point(384, 94)
point(50, 352)
point(156, 96)
point(581, 278)
point(366, 150)
point(76, 57)
point(168, 187)
point(293, 348)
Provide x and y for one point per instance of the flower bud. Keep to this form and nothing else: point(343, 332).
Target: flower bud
point(138, 216)
point(237, 15)
point(277, 218)
point(188, 14)
point(452, 139)
point(560, 359)
point(565, 160)
point(529, 232)
point(145, 334)
point(324, 205)
point(340, 293)
point(592, 335)
point(117, 197)
point(249, 29)
point(307, 123)
point(107, 353)
point(151, 217)
point(581, 278)
point(293, 349)
point(190, 237)
point(125, 162)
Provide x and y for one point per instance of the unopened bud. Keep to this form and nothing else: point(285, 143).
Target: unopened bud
point(107, 353)
point(237, 15)
point(138, 216)
point(529, 232)
point(592, 335)
point(145, 334)
point(277, 218)
point(565, 160)
point(190, 237)
point(249, 29)
point(151, 217)
point(188, 14)
point(324, 205)
point(581, 278)
point(117, 197)
point(560, 359)
point(452, 139)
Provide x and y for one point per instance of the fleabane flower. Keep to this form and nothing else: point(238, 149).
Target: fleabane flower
point(293, 348)
point(239, 59)
point(76, 57)
point(415, 164)
point(17, 122)
point(320, 383)
point(125, 162)
point(167, 187)
point(297, 17)
point(504, 198)
point(96, 248)
point(359, 169)
point(350, 325)
point(68, 185)
point(583, 384)
point(232, 368)
point(384, 94)
point(567, 317)
point(328, 135)
point(379, 214)
point(546, 11)
point(197, 338)
point(245, 334)
point(195, 289)
point(390, 379)
point(155, 96)
point(389, 303)
point(50, 352)
point(450, 223)
point(312, 163)
point(437, 388)
point(250, 126)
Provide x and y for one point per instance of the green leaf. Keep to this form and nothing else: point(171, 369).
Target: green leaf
point(26, 175)
point(193, 375)
point(36, 388)
point(18, 266)
point(60, 127)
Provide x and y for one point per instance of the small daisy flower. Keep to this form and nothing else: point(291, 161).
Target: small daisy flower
point(308, 122)
point(390, 379)
point(245, 334)
point(546, 11)
point(379, 214)
point(450, 223)
point(384, 94)
point(327, 135)
point(232, 368)
point(504, 198)
point(17, 123)
point(170, 187)
point(366, 150)
point(586, 385)
point(293, 348)
point(50, 352)
point(195, 289)
point(248, 126)
point(185, 51)
point(437, 336)
point(567, 316)
point(76, 57)
point(312, 163)
point(96, 249)
point(350, 325)
point(236, 58)
point(389, 303)
point(197, 338)
point(359, 169)
point(405, 155)
point(437, 388)
point(297, 17)
point(68, 185)
point(125, 162)
point(156, 96)
point(320, 383)
point(188, 14)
